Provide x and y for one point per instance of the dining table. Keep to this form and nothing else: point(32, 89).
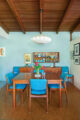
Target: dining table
point(24, 78)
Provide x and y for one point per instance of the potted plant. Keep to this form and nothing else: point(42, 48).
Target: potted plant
point(37, 67)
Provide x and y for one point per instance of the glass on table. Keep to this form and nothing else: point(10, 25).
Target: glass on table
point(43, 75)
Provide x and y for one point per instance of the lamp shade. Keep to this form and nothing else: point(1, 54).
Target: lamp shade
point(41, 39)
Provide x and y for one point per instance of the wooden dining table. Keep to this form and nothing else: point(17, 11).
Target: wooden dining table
point(24, 78)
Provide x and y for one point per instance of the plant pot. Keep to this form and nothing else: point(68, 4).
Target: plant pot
point(37, 75)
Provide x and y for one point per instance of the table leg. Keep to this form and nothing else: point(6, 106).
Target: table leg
point(73, 80)
point(60, 93)
point(14, 97)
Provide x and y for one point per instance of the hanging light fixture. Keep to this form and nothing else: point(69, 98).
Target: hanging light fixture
point(41, 39)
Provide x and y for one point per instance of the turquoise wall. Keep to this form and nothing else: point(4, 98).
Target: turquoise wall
point(18, 43)
point(75, 35)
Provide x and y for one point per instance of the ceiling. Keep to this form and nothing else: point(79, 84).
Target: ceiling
point(40, 15)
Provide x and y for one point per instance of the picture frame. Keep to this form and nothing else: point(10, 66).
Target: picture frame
point(2, 51)
point(77, 49)
point(27, 58)
point(72, 55)
point(77, 60)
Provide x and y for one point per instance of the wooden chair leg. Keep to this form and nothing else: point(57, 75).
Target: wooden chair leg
point(29, 104)
point(22, 97)
point(66, 96)
point(27, 90)
point(6, 96)
point(50, 95)
point(47, 104)
point(73, 80)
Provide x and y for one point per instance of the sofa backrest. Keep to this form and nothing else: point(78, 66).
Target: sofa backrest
point(16, 69)
point(9, 77)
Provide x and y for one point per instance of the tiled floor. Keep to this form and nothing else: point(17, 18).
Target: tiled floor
point(2, 83)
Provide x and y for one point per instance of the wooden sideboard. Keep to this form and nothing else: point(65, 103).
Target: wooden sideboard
point(25, 69)
point(56, 70)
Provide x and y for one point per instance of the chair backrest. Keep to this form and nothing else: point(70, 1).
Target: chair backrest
point(65, 70)
point(16, 69)
point(41, 71)
point(38, 84)
point(9, 77)
point(65, 78)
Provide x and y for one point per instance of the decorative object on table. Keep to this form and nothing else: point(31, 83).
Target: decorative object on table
point(38, 71)
point(27, 58)
point(37, 67)
point(2, 51)
point(41, 39)
point(77, 49)
point(77, 60)
point(43, 75)
point(37, 75)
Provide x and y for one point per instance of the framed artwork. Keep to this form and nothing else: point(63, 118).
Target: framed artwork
point(27, 58)
point(72, 54)
point(77, 49)
point(77, 60)
point(2, 51)
point(46, 57)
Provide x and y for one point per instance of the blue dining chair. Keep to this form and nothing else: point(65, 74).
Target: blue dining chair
point(39, 89)
point(65, 70)
point(53, 87)
point(18, 87)
point(41, 71)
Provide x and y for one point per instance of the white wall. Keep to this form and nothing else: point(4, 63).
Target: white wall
point(75, 69)
point(18, 43)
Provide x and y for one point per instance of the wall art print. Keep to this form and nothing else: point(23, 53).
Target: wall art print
point(2, 51)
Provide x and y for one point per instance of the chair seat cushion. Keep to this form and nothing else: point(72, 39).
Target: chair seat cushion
point(19, 86)
point(15, 73)
point(38, 92)
point(70, 75)
point(54, 86)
